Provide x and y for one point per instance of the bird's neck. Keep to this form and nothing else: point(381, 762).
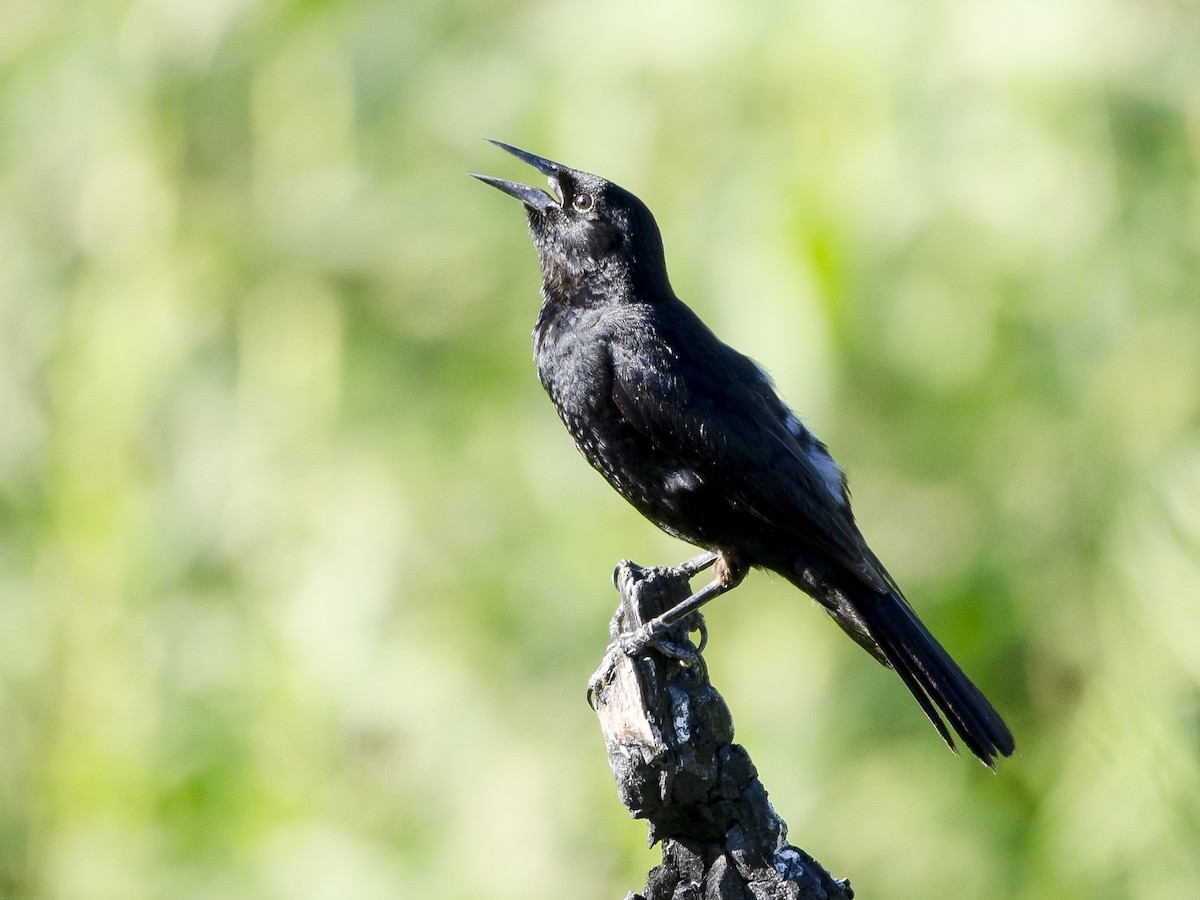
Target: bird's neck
point(609, 282)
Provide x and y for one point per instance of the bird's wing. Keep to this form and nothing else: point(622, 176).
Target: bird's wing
point(721, 417)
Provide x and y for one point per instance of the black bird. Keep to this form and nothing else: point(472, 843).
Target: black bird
point(693, 434)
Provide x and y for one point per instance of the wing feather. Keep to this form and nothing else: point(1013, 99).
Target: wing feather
point(722, 418)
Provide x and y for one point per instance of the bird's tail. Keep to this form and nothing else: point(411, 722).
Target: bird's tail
point(929, 673)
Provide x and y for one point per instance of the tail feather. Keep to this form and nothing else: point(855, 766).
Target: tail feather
point(933, 678)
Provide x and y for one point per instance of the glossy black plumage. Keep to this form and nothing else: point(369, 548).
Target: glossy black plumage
point(693, 434)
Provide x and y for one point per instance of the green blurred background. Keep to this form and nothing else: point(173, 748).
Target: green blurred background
point(301, 580)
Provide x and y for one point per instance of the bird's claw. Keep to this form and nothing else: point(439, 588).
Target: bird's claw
point(654, 634)
point(604, 672)
point(596, 683)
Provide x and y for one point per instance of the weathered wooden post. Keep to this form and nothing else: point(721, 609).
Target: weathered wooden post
point(669, 737)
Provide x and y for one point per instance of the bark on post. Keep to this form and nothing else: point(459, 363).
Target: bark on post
point(669, 737)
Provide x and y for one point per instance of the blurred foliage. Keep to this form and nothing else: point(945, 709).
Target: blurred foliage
point(300, 579)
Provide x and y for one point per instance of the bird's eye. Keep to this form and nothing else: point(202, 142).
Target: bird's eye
point(582, 202)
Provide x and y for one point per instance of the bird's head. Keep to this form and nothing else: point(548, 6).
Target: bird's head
point(587, 226)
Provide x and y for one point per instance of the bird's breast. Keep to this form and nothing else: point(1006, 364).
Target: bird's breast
point(574, 350)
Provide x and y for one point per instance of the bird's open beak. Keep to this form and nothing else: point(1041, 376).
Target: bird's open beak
point(532, 197)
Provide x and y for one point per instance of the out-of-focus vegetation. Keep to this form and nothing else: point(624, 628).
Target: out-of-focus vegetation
point(301, 581)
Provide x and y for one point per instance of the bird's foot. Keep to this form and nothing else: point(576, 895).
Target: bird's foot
point(603, 675)
point(633, 643)
point(616, 625)
point(654, 634)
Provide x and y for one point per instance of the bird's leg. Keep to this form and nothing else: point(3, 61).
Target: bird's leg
point(697, 564)
point(729, 574)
